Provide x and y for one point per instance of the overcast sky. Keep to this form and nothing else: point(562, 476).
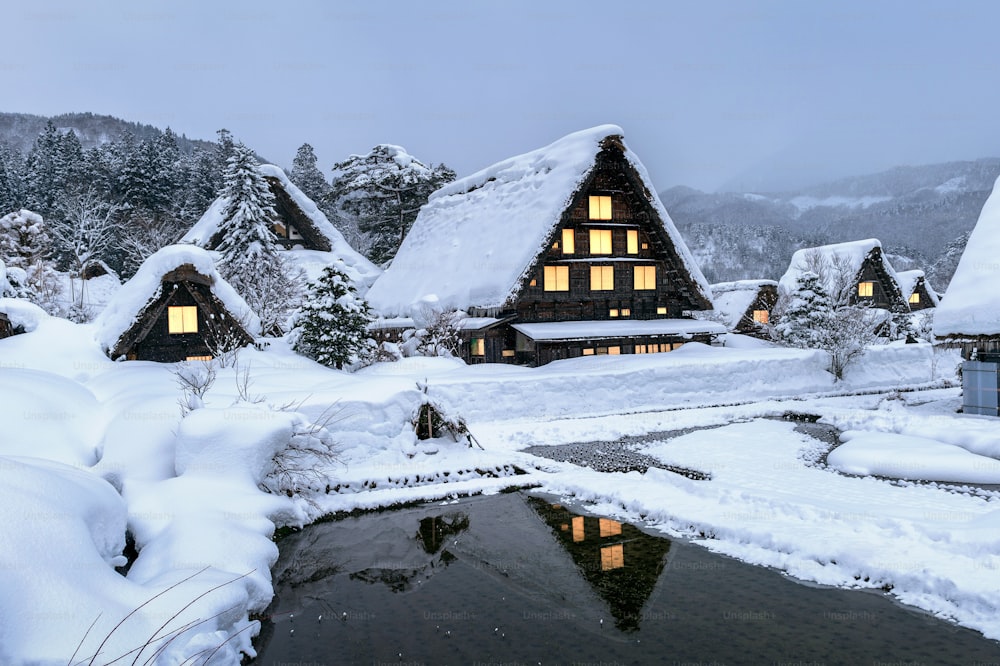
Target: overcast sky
point(745, 95)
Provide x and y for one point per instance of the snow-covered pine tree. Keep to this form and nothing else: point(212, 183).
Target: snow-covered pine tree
point(803, 313)
point(384, 190)
point(25, 246)
point(249, 256)
point(307, 175)
point(331, 326)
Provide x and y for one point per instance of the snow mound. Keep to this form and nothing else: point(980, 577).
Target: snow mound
point(22, 314)
point(911, 457)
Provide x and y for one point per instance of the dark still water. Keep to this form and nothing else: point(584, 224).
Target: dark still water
point(514, 579)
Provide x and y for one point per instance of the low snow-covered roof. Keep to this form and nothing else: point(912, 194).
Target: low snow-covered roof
point(125, 307)
point(361, 271)
point(971, 306)
point(22, 314)
point(908, 282)
point(851, 255)
point(732, 299)
point(476, 238)
point(588, 330)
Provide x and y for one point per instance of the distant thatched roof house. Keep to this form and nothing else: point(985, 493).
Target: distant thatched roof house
point(175, 308)
point(745, 305)
point(853, 272)
point(917, 291)
point(300, 225)
point(564, 251)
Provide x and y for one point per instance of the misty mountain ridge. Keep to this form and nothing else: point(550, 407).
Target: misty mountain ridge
point(19, 130)
point(915, 211)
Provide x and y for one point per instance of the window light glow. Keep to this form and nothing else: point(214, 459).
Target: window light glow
point(477, 347)
point(613, 312)
point(600, 208)
point(588, 351)
point(866, 289)
point(578, 531)
point(182, 319)
point(600, 241)
point(602, 278)
point(556, 278)
point(626, 312)
point(761, 316)
point(613, 557)
point(568, 241)
point(198, 358)
point(661, 310)
point(632, 241)
point(914, 298)
point(645, 278)
point(609, 527)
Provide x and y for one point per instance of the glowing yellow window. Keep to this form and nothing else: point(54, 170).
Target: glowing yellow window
point(613, 557)
point(602, 278)
point(533, 283)
point(914, 298)
point(556, 278)
point(609, 527)
point(507, 353)
point(578, 531)
point(588, 351)
point(632, 241)
point(615, 351)
point(477, 347)
point(600, 208)
point(182, 319)
point(645, 277)
point(600, 241)
point(661, 310)
point(640, 349)
point(613, 312)
point(760, 316)
point(866, 289)
point(626, 312)
point(198, 358)
point(568, 241)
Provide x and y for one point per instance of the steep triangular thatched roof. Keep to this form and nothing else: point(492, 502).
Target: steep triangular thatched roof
point(915, 281)
point(132, 312)
point(847, 260)
point(297, 210)
point(733, 300)
point(474, 242)
point(971, 306)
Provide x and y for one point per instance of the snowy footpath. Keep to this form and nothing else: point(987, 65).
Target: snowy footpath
point(138, 531)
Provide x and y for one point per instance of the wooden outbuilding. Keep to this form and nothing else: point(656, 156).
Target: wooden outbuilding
point(176, 308)
point(917, 291)
point(562, 252)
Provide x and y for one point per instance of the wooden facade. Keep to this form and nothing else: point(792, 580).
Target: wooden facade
point(212, 330)
point(609, 258)
point(874, 286)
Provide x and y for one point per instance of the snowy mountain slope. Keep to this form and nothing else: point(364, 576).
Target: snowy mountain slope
point(914, 211)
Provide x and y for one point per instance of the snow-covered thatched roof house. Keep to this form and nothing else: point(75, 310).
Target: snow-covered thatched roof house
point(969, 315)
point(745, 305)
point(852, 272)
point(300, 225)
point(563, 251)
point(177, 307)
point(919, 294)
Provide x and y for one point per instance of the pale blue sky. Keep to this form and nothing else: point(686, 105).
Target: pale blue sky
point(749, 95)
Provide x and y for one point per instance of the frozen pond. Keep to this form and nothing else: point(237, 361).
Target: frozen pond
point(518, 579)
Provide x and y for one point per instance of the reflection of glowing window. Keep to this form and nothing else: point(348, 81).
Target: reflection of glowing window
point(610, 527)
point(632, 241)
point(866, 289)
point(602, 278)
point(600, 208)
point(556, 278)
point(182, 319)
point(645, 277)
point(760, 316)
point(600, 241)
point(477, 347)
point(613, 557)
point(914, 298)
point(568, 241)
point(198, 358)
point(578, 528)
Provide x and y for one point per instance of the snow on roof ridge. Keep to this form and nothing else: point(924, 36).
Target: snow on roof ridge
point(853, 251)
point(127, 304)
point(971, 306)
point(741, 285)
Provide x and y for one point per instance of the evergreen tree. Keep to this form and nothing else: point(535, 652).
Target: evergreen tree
point(307, 175)
point(11, 184)
point(803, 313)
point(331, 326)
point(249, 256)
point(384, 190)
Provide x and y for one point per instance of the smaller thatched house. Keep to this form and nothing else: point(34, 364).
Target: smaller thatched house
point(745, 306)
point(856, 272)
point(917, 291)
point(176, 308)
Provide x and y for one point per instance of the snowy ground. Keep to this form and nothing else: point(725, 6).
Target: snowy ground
point(92, 448)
